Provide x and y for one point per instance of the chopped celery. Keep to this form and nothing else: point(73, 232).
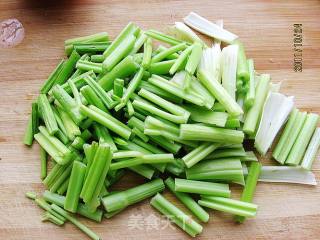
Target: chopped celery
point(311, 151)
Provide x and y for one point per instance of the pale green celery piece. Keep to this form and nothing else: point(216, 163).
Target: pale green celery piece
point(201, 187)
point(311, 151)
point(118, 87)
point(203, 115)
point(59, 121)
point(162, 67)
point(120, 52)
point(98, 37)
point(163, 54)
point(216, 89)
point(106, 120)
point(133, 195)
point(229, 56)
point(285, 134)
point(126, 154)
point(72, 130)
point(192, 63)
point(104, 97)
point(188, 201)
point(46, 112)
point(227, 153)
point(178, 64)
point(199, 153)
point(253, 116)
point(197, 87)
point(97, 58)
point(211, 61)
point(91, 48)
point(175, 90)
point(183, 32)
point(228, 205)
point(185, 222)
point(141, 38)
point(28, 136)
point(88, 66)
point(133, 84)
point(147, 53)
point(224, 169)
point(130, 108)
point(31, 195)
point(50, 217)
point(92, 98)
point(250, 186)
point(197, 132)
point(162, 48)
point(232, 122)
point(290, 141)
point(250, 96)
point(162, 37)
point(300, 145)
point(130, 29)
point(123, 69)
point(73, 220)
point(75, 92)
point(243, 73)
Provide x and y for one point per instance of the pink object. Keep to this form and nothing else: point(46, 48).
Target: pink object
point(11, 33)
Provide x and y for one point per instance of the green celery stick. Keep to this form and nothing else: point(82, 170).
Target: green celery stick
point(162, 48)
point(311, 151)
point(227, 153)
point(28, 135)
point(127, 154)
point(73, 220)
point(50, 217)
point(199, 153)
point(85, 65)
point(163, 54)
point(162, 37)
point(104, 136)
point(250, 96)
point(198, 132)
point(200, 187)
point(229, 205)
point(43, 163)
point(141, 38)
point(185, 222)
point(74, 187)
point(63, 188)
point(92, 98)
point(31, 195)
point(250, 187)
point(52, 78)
point(300, 145)
point(130, 108)
point(194, 58)
point(188, 201)
point(44, 205)
point(118, 87)
point(162, 67)
point(147, 53)
point(178, 64)
point(243, 73)
point(72, 130)
point(254, 114)
point(140, 134)
point(83, 48)
point(97, 58)
point(133, 195)
point(106, 120)
point(47, 114)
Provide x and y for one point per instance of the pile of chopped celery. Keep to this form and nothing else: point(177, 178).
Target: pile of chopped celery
point(174, 110)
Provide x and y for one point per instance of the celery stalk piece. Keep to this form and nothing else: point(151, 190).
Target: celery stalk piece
point(92, 98)
point(75, 92)
point(28, 135)
point(254, 114)
point(101, 160)
point(183, 32)
point(123, 69)
point(74, 187)
point(98, 37)
point(192, 63)
point(250, 96)
point(198, 132)
point(175, 90)
point(211, 61)
point(50, 217)
point(88, 66)
point(120, 52)
point(250, 186)
point(127, 154)
point(130, 29)
point(197, 88)
point(294, 133)
point(47, 114)
point(91, 48)
point(199, 153)
point(145, 159)
point(285, 174)
point(162, 48)
point(227, 153)
point(104, 97)
point(162, 55)
point(206, 116)
point(208, 28)
point(140, 134)
point(141, 39)
point(228, 205)
point(73, 220)
point(285, 134)
point(163, 37)
point(133, 84)
point(300, 145)
point(242, 65)
point(67, 103)
point(61, 179)
point(52, 78)
point(161, 67)
point(106, 120)
point(97, 58)
point(147, 53)
point(72, 130)
point(31, 195)
point(118, 87)
point(43, 163)
point(67, 69)
point(133, 195)
point(275, 112)
point(224, 169)
point(44, 205)
point(229, 56)
point(311, 151)
point(130, 109)
point(104, 136)
point(185, 222)
point(200, 187)
point(216, 89)
point(178, 64)
point(188, 201)
point(60, 123)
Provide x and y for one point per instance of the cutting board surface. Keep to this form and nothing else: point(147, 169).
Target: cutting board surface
point(266, 29)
